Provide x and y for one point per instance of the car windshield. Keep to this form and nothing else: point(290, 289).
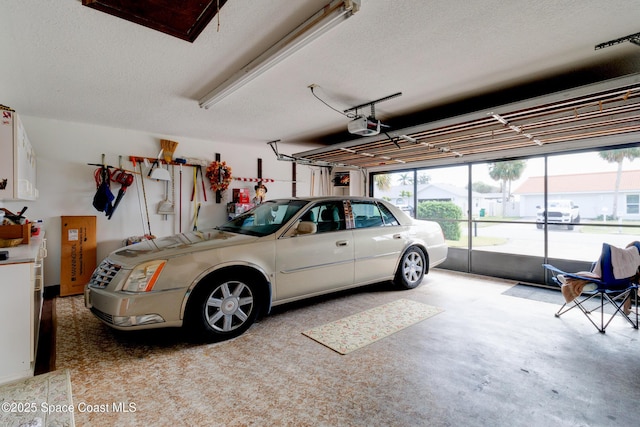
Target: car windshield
point(264, 219)
point(559, 204)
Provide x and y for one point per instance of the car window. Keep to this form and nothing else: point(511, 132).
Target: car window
point(366, 214)
point(265, 218)
point(328, 216)
point(387, 216)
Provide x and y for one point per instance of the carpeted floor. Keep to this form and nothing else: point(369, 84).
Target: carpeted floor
point(226, 381)
point(487, 359)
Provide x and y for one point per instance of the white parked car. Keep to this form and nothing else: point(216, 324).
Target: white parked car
point(216, 282)
point(562, 212)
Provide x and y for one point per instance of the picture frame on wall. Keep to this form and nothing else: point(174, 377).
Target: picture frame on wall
point(341, 179)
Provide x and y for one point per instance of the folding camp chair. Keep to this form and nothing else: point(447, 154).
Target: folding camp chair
point(607, 290)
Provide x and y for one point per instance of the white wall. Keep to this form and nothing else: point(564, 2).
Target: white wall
point(66, 183)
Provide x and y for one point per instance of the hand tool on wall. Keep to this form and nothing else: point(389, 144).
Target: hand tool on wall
point(194, 198)
point(144, 195)
point(204, 190)
point(125, 180)
point(166, 207)
point(180, 208)
point(159, 173)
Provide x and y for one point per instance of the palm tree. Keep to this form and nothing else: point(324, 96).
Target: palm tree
point(405, 179)
point(618, 156)
point(506, 172)
point(423, 178)
point(383, 181)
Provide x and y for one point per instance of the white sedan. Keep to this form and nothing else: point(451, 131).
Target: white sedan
point(216, 282)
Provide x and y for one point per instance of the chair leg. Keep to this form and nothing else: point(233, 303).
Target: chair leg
point(617, 302)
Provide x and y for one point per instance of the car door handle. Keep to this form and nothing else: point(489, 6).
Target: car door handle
point(397, 236)
point(342, 243)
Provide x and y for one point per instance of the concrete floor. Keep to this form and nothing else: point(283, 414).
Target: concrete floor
point(488, 360)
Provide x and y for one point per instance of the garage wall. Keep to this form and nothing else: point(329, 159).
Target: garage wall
point(66, 183)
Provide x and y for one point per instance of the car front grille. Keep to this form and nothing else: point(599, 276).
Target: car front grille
point(103, 316)
point(104, 274)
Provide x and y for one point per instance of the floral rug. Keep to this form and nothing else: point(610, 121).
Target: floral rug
point(41, 401)
point(361, 329)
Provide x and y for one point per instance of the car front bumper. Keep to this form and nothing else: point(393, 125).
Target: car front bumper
point(125, 311)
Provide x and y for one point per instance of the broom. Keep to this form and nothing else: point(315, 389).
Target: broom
point(169, 148)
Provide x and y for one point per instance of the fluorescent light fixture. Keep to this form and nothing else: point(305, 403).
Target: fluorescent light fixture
point(322, 21)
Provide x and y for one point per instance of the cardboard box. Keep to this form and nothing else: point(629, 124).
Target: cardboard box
point(78, 253)
point(15, 231)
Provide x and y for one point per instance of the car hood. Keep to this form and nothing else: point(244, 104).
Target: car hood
point(176, 245)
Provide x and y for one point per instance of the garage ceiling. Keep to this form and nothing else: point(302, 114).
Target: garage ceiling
point(598, 116)
point(449, 58)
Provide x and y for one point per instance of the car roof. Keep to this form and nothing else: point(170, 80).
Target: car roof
point(325, 198)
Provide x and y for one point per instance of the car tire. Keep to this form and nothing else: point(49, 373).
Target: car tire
point(223, 308)
point(412, 268)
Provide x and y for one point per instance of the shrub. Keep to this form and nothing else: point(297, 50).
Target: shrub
point(446, 214)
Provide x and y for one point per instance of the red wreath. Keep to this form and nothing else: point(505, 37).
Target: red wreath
point(219, 175)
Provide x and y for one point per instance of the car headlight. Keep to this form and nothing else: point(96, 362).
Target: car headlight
point(144, 276)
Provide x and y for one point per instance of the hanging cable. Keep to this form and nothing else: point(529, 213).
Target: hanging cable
point(351, 116)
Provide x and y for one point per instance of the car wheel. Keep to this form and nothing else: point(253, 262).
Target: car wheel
point(411, 269)
point(224, 309)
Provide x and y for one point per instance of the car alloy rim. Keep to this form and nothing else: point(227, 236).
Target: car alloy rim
point(229, 306)
point(412, 267)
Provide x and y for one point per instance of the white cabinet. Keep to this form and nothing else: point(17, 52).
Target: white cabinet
point(17, 160)
point(21, 291)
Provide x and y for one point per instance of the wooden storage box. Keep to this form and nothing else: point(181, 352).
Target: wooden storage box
point(78, 253)
point(16, 231)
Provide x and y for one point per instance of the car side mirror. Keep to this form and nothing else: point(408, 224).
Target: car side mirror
point(306, 227)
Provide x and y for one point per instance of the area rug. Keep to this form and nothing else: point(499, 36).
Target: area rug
point(41, 401)
point(361, 329)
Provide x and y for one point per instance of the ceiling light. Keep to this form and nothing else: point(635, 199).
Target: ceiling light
point(322, 21)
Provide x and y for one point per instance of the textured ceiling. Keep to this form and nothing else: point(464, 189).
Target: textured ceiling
point(64, 61)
